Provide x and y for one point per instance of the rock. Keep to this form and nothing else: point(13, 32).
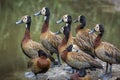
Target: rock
point(64, 72)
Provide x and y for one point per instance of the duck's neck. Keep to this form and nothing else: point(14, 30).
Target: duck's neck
point(64, 55)
point(80, 26)
point(98, 40)
point(27, 31)
point(66, 37)
point(70, 38)
point(64, 42)
point(45, 26)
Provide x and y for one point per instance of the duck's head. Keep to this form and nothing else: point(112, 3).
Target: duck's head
point(97, 28)
point(44, 11)
point(25, 19)
point(63, 30)
point(66, 18)
point(81, 19)
point(72, 48)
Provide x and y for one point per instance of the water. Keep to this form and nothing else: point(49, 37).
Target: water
point(12, 60)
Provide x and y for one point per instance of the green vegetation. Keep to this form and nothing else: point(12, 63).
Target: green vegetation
point(11, 56)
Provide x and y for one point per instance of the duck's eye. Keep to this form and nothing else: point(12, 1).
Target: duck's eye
point(43, 10)
point(25, 18)
point(65, 17)
point(97, 26)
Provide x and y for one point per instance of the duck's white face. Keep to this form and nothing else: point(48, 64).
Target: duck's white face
point(43, 11)
point(25, 19)
point(75, 48)
point(65, 18)
point(97, 28)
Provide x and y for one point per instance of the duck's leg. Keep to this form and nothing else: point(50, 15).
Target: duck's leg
point(106, 71)
point(107, 75)
point(59, 62)
point(110, 69)
point(52, 59)
point(55, 63)
point(74, 70)
point(82, 72)
point(36, 77)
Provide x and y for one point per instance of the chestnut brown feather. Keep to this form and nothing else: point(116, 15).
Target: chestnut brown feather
point(30, 47)
point(63, 45)
point(83, 39)
point(49, 39)
point(77, 60)
point(108, 53)
point(68, 38)
point(104, 50)
point(39, 65)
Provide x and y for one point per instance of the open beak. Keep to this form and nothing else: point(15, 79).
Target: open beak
point(38, 13)
point(58, 32)
point(92, 31)
point(59, 21)
point(19, 22)
point(76, 20)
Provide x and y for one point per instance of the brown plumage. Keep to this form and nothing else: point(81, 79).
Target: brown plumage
point(71, 39)
point(49, 39)
point(30, 47)
point(104, 50)
point(40, 64)
point(76, 76)
point(110, 52)
point(62, 46)
point(83, 39)
point(78, 60)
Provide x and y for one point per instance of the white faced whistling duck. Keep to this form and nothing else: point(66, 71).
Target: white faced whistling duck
point(83, 39)
point(67, 19)
point(40, 64)
point(30, 47)
point(77, 60)
point(104, 50)
point(76, 76)
point(49, 39)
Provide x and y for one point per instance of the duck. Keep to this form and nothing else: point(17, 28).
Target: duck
point(29, 47)
point(77, 60)
point(48, 38)
point(83, 39)
point(39, 64)
point(105, 51)
point(67, 20)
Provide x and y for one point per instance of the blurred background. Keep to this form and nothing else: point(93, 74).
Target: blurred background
point(13, 61)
